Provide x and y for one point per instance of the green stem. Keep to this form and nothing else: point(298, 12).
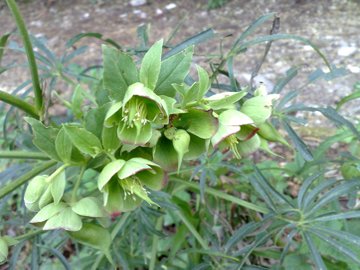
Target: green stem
point(155, 242)
point(114, 232)
point(195, 233)
point(77, 184)
point(29, 235)
point(29, 53)
point(23, 155)
point(223, 195)
point(19, 103)
point(11, 186)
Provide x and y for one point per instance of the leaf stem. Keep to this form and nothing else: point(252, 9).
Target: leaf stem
point(9, 187)
point(77, 184)
point(19, 103)
point(28, 235)
point(223, 195)
point(23, 155)
point(114, 232)
point(29, 53)
point(155, 242)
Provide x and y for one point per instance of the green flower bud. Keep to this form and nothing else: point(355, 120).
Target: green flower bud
point(35, 191)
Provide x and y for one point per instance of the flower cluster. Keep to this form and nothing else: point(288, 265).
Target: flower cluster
point(148, 125)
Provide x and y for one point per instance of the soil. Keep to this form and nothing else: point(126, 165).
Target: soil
point(333, 25)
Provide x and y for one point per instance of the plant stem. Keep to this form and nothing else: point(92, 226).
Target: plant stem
point(29, 53)
point(114, 232)
point(23, 155)
point(19, 103)
point(155, 241)
point(195, 233)
point(29, 235)
point(77, 184)
point(9, 187)
point(223, 195)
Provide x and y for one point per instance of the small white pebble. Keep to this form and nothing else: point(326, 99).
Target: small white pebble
point(170, 6)
point(136, 3)
point(353, 69)
point(346, 51)
point(159, 11)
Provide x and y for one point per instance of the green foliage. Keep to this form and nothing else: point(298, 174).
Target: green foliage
point(139, 128)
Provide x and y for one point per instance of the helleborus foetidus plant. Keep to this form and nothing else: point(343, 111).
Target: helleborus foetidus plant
point(150, 123)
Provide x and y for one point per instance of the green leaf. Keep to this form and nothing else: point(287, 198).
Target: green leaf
point(3, 40)
point(94, 236)
point(87, 142)
point(48, 212)
point(225, 100)
point(57, 186)
point(200, 123)
point(119, 72)
point(299, 144)
point(66, 219)
point(194, 40)
point(314, 252)
point(150, 65)
point(4, 250)
point(204, 82)
point(108, 172)
point(259, 108)
point(181, 142)
point(63, 146)
point(77, 102)
point(173, 70)
point(44, 137)
point(352, 96)
point(88, 207)
point(94, 120)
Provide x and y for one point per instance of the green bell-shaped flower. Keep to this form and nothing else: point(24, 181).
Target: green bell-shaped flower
point(140, 109)
point(123, 183)
point(187, 137)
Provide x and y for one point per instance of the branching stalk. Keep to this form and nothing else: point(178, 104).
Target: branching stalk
point(9, 187)
point(23, 155)
point(223, 195)
point(19, 103)
point(29, 53)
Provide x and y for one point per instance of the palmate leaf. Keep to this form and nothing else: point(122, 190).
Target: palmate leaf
point(119, 72)
point(44, 137)
point(173, 70)
point(339, 246)
point(334, 193)
point(300, 146)
point(150, 65)
point(305, 187)
point(314, 252)
point(310, 197)
point(84, 140)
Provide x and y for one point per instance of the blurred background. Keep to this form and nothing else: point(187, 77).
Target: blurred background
point(333, 25)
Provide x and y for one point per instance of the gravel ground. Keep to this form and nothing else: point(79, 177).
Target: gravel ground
point(333, 25)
